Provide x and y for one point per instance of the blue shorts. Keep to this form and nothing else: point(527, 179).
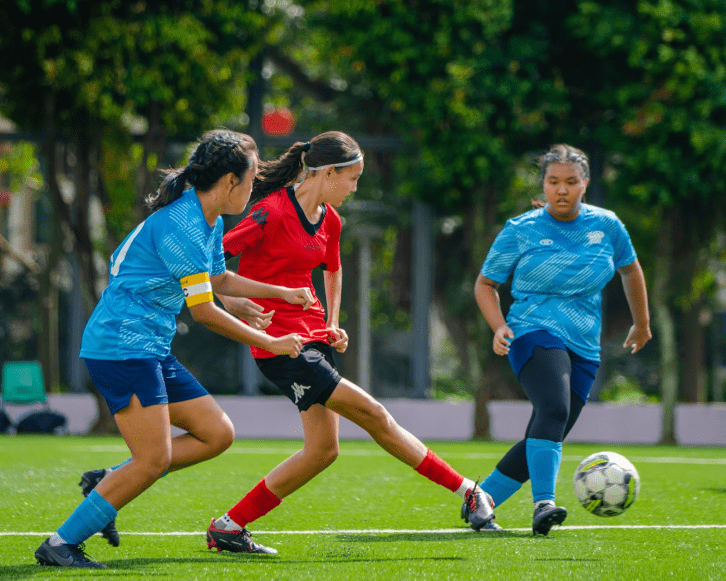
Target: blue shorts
point(583, 371)
point(152, 381)
point(309, 378)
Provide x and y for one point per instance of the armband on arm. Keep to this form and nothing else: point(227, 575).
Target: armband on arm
point(197, 289)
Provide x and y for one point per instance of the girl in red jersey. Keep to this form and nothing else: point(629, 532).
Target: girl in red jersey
point(291, 229)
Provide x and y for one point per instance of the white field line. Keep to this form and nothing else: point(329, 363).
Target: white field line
point(394, 531)
point(464, 456)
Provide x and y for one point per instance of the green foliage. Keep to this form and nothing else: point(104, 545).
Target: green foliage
point(623, 390)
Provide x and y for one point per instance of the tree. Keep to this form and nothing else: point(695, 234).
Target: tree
point(664, 89)
point(84, 74)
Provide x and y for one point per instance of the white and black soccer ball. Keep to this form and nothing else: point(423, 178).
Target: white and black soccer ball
point(606, 483)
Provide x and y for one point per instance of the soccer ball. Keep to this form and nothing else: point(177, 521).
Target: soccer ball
point(606, 483)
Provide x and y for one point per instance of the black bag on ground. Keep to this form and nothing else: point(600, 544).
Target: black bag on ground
point(5, 422)
point(41, 422)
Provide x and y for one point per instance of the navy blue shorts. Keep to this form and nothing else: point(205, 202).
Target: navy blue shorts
point(309, 378)
point(583, 370)
point(152, 381)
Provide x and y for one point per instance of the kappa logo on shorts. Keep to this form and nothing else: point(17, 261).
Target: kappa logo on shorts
point(299, 391)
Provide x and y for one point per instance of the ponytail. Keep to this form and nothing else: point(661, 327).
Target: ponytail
point(330, 148)
point(171, 189)
point(274, 175)
point(218, 153)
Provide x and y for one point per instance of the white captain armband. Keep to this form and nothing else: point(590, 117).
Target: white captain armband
point(197, 289)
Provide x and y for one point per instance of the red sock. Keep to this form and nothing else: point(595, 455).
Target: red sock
point(256, 503)
point(438, 471)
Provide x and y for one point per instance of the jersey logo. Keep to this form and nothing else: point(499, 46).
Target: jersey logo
point(595, 237)
point(546, 242)
point(260, 215)
point(299, 391)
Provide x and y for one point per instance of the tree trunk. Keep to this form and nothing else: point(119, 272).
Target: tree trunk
point(154, 144)
point(665, 327)
point(48, 341)
point(694, 355)
point(480, 237)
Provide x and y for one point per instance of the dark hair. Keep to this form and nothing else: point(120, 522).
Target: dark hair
point(218, 153)
point(563, 153)
point(325, 149)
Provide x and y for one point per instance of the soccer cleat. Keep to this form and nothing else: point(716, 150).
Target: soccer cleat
point(235, 541)
point(545, 517)
point(65, 556)
point(477, 510)
point(88, 482)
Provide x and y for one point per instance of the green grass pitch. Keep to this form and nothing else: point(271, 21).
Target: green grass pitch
point(367, 517)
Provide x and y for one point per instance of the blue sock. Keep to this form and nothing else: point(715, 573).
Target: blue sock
point(500, 487)
point(129, 460)
point(543, 462)
point(91, 516)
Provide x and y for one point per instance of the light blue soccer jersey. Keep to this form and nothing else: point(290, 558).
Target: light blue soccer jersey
point(136, 316)
point(558, 271)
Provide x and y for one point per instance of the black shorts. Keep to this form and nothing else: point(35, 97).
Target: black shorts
point(307, 379)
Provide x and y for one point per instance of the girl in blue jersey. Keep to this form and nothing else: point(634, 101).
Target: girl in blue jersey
point(559, 257)
point(174, 256)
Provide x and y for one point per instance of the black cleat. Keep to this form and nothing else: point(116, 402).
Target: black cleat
point(545, 517)
point(88, 482)
point(65, 556)
point(235, 541)
point(477, 510)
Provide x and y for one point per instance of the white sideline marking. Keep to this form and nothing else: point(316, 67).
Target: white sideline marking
point(395, 531)
point(470, 456)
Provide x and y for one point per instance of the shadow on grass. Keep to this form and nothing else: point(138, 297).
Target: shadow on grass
point(716, 490)
point(115, 566)
point(428, 537)
point(569, 559)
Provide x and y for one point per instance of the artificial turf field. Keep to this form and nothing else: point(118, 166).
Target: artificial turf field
point(366, 517)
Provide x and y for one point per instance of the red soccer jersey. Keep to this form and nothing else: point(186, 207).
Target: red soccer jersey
point(278, 245)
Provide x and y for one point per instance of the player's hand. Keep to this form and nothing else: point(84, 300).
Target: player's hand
point(286, 345)
point(637, 338)
point(502, 340)
point(338, 338)
point(299, 296)
point(249, 311)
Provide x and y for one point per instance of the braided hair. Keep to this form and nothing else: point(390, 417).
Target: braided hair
point(218, 153)
point(329, 148)
point(563, 153)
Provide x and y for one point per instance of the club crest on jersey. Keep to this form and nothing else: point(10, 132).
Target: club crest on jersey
point(595, 237)
point(299, 391)
point(260, 215)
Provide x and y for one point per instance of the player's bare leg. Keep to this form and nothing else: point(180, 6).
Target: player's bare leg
point(209, 431)
point(320, 449)
point(351, 402)
point(354, 404)
point(146, 431)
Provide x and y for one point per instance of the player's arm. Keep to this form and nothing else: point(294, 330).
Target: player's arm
point(487, 297)
point(637, 297)
point(200, 300)
point(333, 292)
point(230, 284)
